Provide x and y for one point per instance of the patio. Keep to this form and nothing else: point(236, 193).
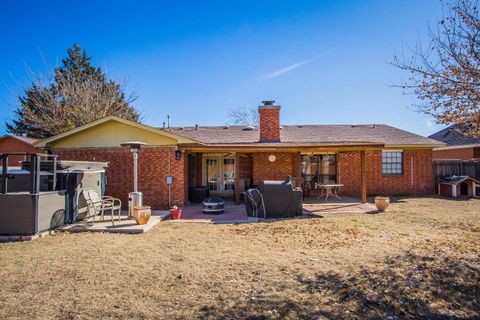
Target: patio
point(127, 226)
point(235, 213)
point(314, 206)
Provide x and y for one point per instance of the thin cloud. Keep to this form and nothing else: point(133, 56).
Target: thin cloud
point(284, 70)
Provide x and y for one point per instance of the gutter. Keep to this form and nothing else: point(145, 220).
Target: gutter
point(463, 146)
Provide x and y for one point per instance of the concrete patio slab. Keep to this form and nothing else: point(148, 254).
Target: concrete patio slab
point(126, 225)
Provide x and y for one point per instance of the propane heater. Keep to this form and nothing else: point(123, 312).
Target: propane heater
point(135, 198)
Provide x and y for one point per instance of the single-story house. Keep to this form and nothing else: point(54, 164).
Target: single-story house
point(371, 159)
point(10, 143)
point(458, 146)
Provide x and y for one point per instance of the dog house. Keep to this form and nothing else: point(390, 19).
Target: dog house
point(458, 186)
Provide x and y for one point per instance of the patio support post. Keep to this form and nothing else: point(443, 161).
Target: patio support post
point(363, 170)
point(236, 193)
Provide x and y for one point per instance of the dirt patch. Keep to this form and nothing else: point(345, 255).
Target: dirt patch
point(419, 260)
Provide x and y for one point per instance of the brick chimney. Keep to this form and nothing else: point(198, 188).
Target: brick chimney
point(269, 121)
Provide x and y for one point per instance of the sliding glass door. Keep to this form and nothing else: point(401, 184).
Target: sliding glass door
point(319, 168)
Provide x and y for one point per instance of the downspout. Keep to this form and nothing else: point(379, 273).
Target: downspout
point(170, 174)
point(411, 173)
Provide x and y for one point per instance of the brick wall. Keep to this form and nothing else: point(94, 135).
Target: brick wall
point(9, 144)
point(269, 123)
point(378, 184)
point(245, 166)
point(286, 164)
point(457, 154)
point(152, 172)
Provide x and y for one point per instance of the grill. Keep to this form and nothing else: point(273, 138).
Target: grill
point(274, 199)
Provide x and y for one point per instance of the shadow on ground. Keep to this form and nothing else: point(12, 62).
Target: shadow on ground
point(407, 286)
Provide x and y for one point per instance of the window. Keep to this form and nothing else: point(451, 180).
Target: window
point(392, 163)
point(319, 168)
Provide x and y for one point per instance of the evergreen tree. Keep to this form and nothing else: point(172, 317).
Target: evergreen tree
point(79, 94)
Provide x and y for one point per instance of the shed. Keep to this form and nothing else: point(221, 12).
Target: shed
point(458, 186)
point(10, 143)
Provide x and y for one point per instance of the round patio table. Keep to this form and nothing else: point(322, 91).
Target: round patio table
point(328, 190)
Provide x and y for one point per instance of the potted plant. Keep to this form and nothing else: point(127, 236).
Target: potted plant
point(142, 214)
point(382, 203)
point(175, 213)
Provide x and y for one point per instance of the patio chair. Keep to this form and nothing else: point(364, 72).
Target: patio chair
point(98, 205)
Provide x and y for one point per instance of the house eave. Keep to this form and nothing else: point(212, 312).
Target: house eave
point(303, 146)
point(46, 142)
point(464, 146)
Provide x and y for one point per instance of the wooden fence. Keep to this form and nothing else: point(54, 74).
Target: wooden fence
point(442, 168)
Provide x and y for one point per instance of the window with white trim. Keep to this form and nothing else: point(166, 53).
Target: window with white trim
point(392, 163)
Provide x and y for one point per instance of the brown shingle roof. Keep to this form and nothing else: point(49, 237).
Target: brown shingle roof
point(308, 134)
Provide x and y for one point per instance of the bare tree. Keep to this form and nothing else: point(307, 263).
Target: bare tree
point(445, 74)
point(244, 117)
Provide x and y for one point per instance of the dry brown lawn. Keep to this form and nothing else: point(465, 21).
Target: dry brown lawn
point(419, 260)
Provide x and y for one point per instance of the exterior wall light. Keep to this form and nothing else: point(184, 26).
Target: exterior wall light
point(178, 154)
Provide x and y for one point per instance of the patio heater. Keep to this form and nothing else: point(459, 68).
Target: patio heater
point(135, 198)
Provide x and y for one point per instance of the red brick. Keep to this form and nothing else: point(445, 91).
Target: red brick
point(269, 123)
point(10, 144)
point(457, 153)
point(285, 164)
point(377, 183)
point(152, 172)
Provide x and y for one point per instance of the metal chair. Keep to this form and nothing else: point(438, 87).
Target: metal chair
point(98, 205)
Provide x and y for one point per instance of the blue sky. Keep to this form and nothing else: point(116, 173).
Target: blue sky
point(324, 61)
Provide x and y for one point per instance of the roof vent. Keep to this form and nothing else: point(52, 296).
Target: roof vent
point(248, 128)
point(226, 127)
point(353, 125)
point(299, 126)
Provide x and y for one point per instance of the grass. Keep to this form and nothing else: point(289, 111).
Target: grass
point(421, 259)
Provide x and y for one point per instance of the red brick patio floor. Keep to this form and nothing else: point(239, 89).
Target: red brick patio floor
point(232, 214)
point(315, 205)
point(312, 206)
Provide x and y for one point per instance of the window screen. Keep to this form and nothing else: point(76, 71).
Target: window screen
point(392, 162)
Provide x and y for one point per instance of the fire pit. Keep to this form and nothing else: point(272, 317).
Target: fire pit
point(213, 205)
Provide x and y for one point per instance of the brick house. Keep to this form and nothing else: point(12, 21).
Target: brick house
point(458, 145)
point(10, 143)
point(366, 159)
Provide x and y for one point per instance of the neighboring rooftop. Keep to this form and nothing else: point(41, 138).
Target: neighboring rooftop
point(21, 138)
point(307, 134)
point(454, 136)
